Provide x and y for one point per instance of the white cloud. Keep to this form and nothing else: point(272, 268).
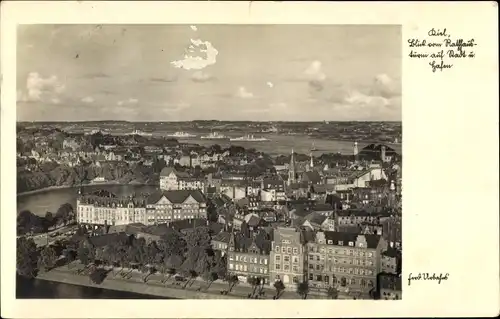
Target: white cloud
point(88, 99)
point(194, 28)
point(200, 76)
point(366, 101)
point(43, 89)
point(192, 62)
point(129, 101)
point(270, 84)
point(244, 93)
point(385, 86)
point(315, 72)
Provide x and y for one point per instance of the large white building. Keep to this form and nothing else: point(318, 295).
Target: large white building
point(105, 208)
point(171, 179)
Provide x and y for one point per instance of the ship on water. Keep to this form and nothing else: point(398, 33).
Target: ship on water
point(272, 129)
point(249, 138)
point(181, 135)
point(215, 136)
point(137, 132)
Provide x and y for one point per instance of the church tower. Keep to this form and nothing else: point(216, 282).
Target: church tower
point(292, 170)
point(311, 164)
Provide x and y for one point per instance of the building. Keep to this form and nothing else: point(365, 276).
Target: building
point(389, 286)
point(248, 257)
point(287, 257)
point(167, 206)
point(349, 262)
point(391, 261)
point(105, 208)
point(171, 179)
point(292, 173)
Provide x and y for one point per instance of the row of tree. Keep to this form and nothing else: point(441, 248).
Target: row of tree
point(27, 222)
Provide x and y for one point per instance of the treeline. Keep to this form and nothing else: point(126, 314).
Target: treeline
point(27, 222)
point(53, 174)
point(189, 254)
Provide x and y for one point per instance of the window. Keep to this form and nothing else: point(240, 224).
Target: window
point(341, 243)
point(295, 251)
point(231, 266)
point(286, 258)
point(330, 241)
point(370, 254)
point(286, 267)
point(317, 258)
point(310, 276)
point(295, 280)
point(311, 266)
point(361, 245)
point(277, 249)
point(265, 261)
point(353, 281)
point(295, 268)
point(295, 259)
point(283, 250)
point(277, 266)
point(330, 251)
point(278, 257)
point(317, 267)
point(289, 250)
point(322, 250)
point(237, 258)
point(311, 257)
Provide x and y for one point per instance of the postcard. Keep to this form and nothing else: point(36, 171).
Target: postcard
point(246, 159)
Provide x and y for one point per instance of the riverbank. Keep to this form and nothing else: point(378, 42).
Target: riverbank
point(50, 188)
point(151, 288)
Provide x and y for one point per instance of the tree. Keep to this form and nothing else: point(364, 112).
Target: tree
point(47, 259)
point(70, 256)
point(26, 257)
point(83, 255)
point(28, 222)
point(332, 293)
point(279, 286)
point(198, 237)
point(232, 281)
point(97, 275)
point(303, 289)
point(64, 213)
point(173, 264)
point(209, 277)
point(49, 220)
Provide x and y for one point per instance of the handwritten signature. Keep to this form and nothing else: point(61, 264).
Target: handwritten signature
point(428, 276)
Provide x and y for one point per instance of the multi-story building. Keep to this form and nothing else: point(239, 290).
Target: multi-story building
point(391, 261)
point(166, 206)
point(170, 179)
point(287, 257)
point(389, 286)
point(105, 208)
point(248, 257)
point(347, 261)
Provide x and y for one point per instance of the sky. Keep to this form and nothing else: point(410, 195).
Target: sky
point(209, 72)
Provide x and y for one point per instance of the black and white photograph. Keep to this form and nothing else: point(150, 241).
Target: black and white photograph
point(209, 161)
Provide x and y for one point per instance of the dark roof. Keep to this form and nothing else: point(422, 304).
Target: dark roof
point(315, 218)
point(322, 207)
point(323, 188)
point(188, 223)
point(301, 211)
point(176, 196)
point(313, 176)
point(301, 185)
point(391, 252)
point(222, 237)
point(159, 230)
point(167, 170)
point(371, 240)
point(272, 183)
point(254, 221)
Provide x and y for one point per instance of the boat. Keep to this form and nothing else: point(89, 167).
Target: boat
point(137, 132)
point(181, 135)
point(214, 136)
point(249, 138)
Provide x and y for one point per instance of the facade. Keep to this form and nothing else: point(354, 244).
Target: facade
point(287, 257)
point(349, 262)
point(170, 179)
point(104, 208)
point(248, 258)
point(389, 286)
point(167, 206)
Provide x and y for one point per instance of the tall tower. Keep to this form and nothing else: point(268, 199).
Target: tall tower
point(382, 155)
point(311, 165)
point(291, 169)
point(355, 151)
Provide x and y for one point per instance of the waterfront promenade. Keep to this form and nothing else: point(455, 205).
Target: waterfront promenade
point(154, 287)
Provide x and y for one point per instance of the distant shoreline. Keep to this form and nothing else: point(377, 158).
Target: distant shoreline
point(50, 188)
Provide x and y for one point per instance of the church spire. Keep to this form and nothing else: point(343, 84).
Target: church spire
point(291, 169)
